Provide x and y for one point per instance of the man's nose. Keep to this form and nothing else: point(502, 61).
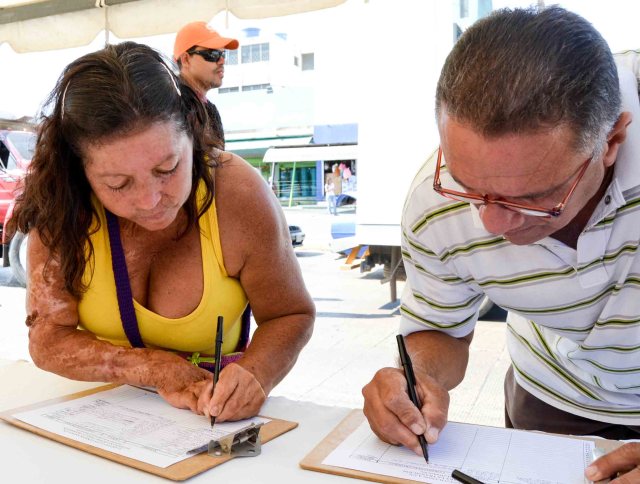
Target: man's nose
point(498, 219)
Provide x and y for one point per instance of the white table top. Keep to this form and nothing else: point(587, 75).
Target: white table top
point(29, 458)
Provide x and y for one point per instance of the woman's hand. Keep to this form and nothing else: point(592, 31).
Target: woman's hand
point(238, 395)
point(181, 384)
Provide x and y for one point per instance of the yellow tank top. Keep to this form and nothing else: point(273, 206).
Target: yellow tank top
point(222, 296)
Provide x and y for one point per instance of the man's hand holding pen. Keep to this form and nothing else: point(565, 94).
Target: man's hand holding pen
point(392, 415)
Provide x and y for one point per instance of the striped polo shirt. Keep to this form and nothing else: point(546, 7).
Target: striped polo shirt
point(573, 330)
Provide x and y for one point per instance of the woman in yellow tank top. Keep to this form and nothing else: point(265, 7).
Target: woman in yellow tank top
point(132, 258)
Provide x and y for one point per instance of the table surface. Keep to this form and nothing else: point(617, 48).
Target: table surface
point(29, 458)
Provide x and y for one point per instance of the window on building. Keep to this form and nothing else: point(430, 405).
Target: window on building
point(484, 8)
point(224, 90)
point(464, 8)
point(296, 61)
point(254, 53)
point(457, 32)
point(232, 57)
point(308, 61)
point(255, 87)
point(295, 181)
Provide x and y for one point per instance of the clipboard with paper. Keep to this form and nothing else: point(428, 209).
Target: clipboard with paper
point(490, 454)
point(135, 427)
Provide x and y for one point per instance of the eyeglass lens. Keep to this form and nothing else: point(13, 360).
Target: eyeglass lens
point(476, 201)
point(211, 55)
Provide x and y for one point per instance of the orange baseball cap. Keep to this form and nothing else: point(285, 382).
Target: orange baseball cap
point(199, 33)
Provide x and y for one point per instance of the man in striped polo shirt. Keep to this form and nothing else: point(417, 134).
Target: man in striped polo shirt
point(535, 202)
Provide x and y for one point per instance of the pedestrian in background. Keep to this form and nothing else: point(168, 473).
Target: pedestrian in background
point(330, 195)
point(200, 54)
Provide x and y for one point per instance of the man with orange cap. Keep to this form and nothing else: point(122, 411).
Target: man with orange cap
point(200, 52)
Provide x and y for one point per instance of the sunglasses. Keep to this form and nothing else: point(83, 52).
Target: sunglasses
point(210, 55)
point(531, 210)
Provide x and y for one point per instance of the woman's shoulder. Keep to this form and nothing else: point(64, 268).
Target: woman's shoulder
point(240, 188)
point(249, 215)
point(229, 159)
point(234, 171)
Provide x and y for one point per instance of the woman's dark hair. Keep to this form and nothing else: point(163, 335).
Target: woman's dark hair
point(102, 95)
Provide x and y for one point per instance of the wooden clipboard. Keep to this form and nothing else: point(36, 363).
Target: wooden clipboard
point(179, 471)
point(313, 460)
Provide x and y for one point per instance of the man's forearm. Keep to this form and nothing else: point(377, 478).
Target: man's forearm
point(441, 356)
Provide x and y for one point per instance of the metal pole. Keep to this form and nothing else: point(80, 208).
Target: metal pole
point(293, 179)
point(107, 27)
point(396, 257)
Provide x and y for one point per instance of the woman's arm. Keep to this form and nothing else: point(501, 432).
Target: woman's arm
point(56, 345)
point(257, 249)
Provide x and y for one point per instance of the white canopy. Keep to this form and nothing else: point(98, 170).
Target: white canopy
point(37, 25)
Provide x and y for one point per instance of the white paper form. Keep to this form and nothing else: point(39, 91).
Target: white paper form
point(132, 422)
point(492, 455)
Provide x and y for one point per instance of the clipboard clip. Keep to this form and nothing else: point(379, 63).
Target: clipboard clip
point(243, 443)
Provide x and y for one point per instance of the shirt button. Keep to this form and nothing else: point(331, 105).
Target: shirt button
point(607, 199)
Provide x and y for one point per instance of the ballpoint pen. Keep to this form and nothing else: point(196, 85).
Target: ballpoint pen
point(411, 385)
point(216, 371)
point(465, 479)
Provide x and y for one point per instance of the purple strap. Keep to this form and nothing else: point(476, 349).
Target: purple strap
point(123, 287)
point(245, 322)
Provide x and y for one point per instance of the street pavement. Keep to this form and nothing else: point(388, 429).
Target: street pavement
point(354, 332)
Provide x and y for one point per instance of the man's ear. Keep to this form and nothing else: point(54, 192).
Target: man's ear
point(184, 58)
point(616, 137)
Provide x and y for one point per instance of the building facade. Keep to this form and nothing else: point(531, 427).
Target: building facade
point(269, 99)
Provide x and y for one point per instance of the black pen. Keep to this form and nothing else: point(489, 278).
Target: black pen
point(216, 371)
point(411, 384)
point(462, 477)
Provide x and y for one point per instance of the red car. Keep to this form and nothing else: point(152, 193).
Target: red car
point(17, 142)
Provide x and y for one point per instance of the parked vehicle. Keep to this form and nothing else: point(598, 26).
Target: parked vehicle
point(297, 235)
point(18, 257)
point(17, 143)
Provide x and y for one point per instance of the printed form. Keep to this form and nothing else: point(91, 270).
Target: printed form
point(492, 455)
point(132, 422)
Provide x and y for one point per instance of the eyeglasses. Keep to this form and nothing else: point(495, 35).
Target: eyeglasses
point(210, 55)
point(525, 209)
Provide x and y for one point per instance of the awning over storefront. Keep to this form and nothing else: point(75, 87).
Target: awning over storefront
point(312, 153)
point(257, 147)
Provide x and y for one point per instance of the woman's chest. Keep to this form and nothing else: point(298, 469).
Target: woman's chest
point(166, 274)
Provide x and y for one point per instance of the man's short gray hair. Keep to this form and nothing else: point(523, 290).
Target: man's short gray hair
point(526, 70)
